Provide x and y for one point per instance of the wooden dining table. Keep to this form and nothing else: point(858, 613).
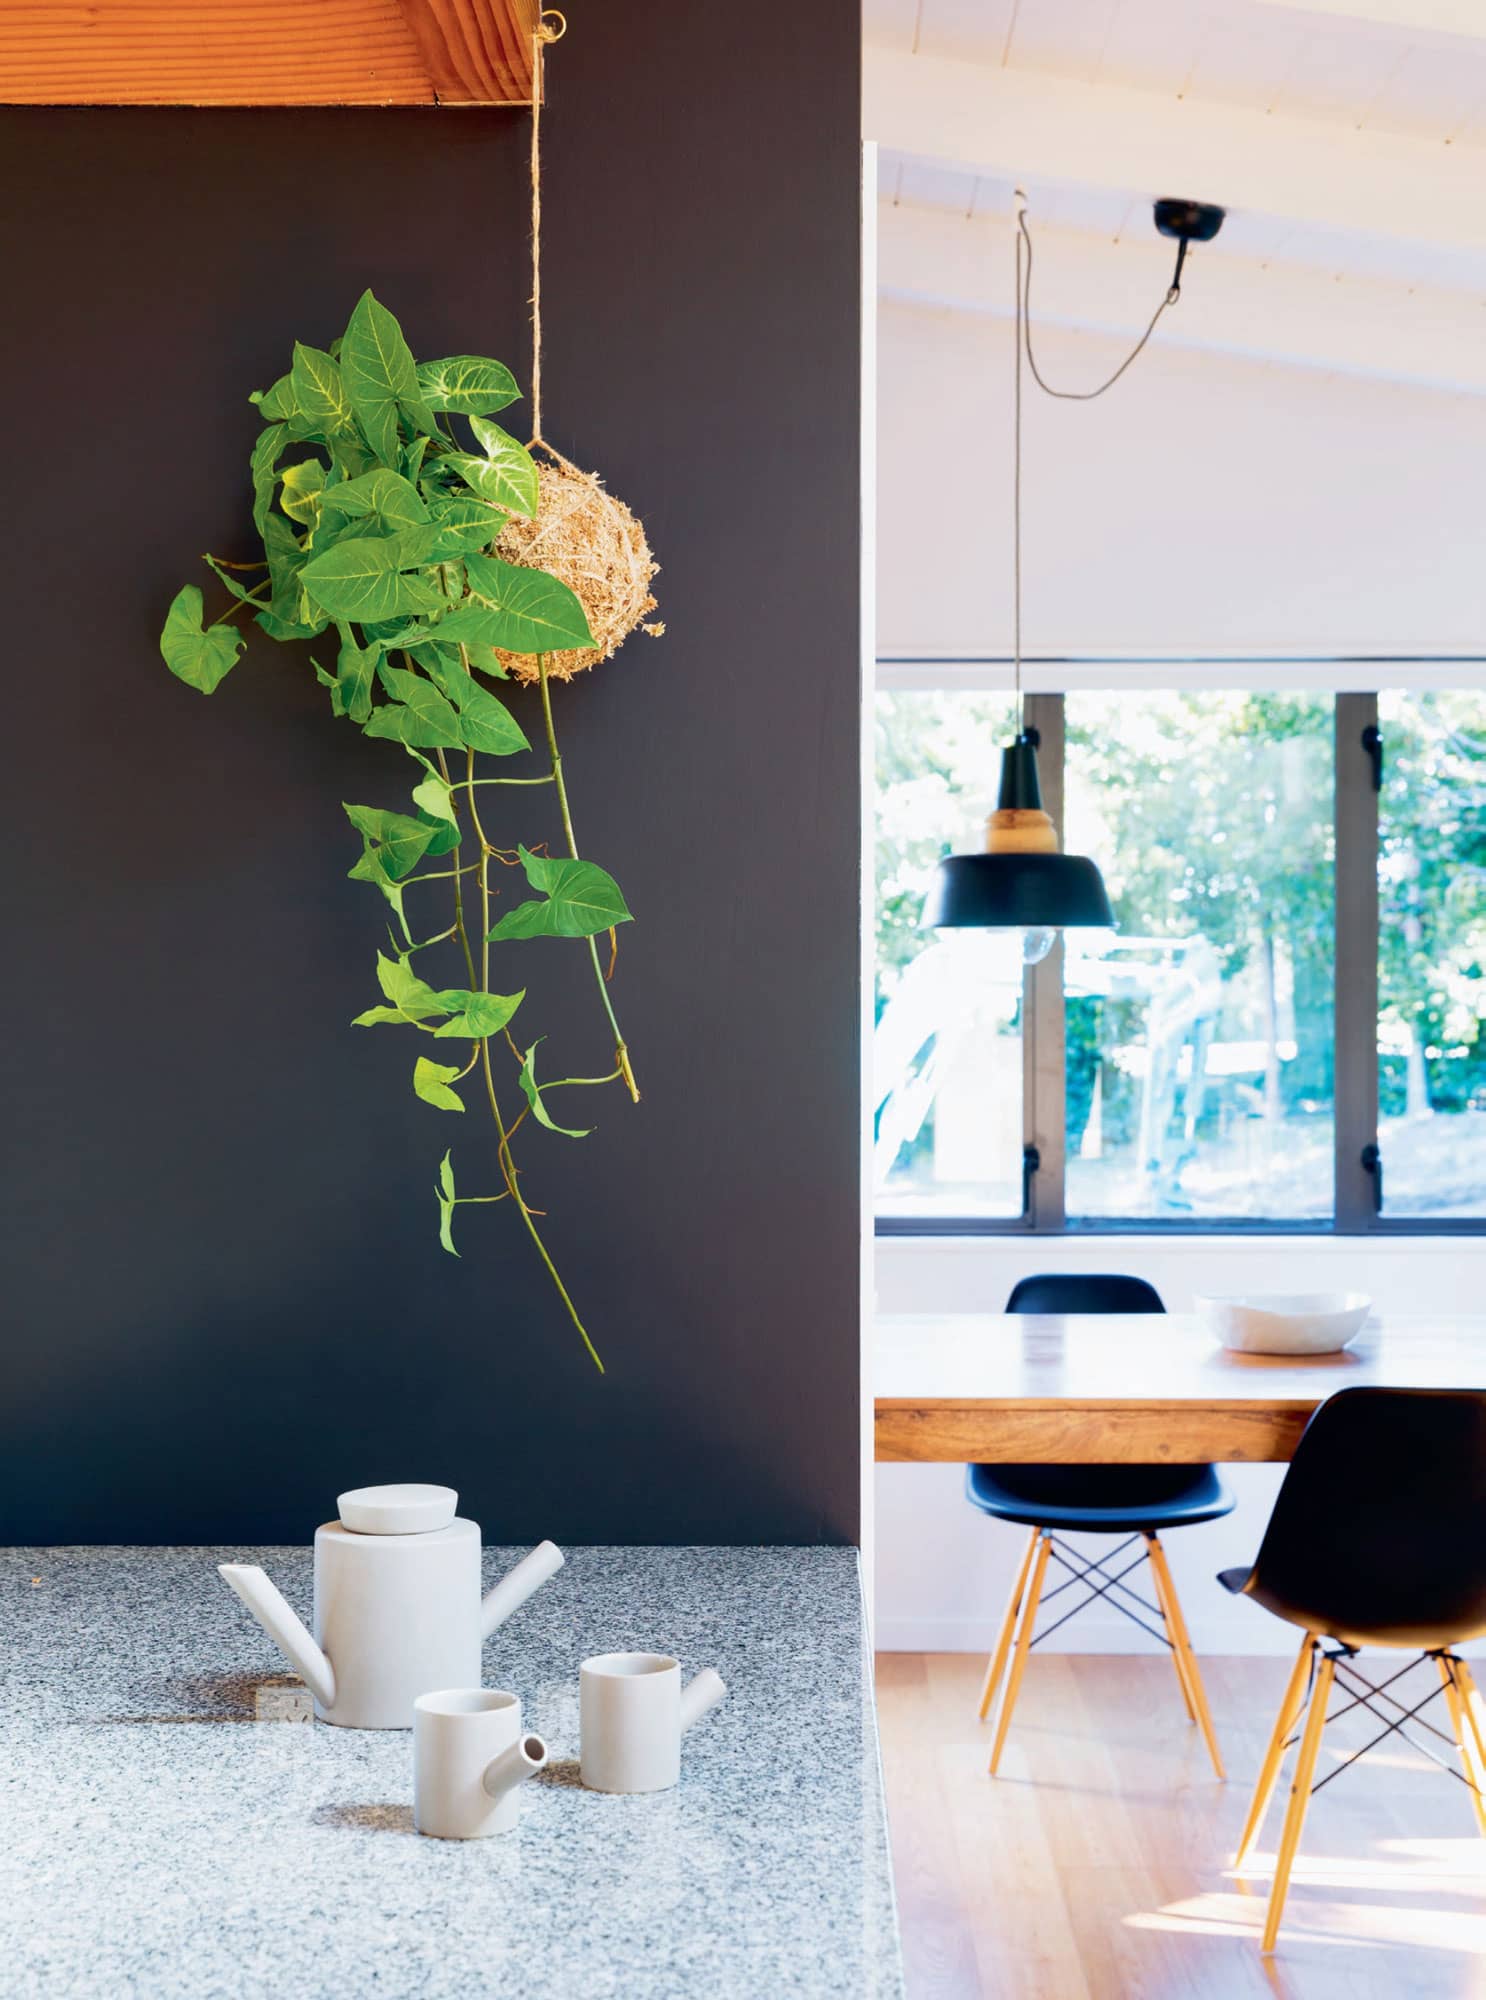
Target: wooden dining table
point(1131, 1388)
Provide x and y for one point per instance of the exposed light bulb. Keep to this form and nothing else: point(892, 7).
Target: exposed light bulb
point(1036, 944)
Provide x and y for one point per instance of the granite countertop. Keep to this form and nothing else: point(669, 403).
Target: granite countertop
point(161, 1843)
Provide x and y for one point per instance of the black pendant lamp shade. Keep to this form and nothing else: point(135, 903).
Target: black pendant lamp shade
point(1021, 882)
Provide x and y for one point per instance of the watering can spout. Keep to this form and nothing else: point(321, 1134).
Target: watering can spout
point(519, 1760)
point(512, 1591)
point(703, 1691)
point(286, 1630)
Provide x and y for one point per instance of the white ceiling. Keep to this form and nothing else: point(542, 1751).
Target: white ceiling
point(1351, 152)
point(1362, 73)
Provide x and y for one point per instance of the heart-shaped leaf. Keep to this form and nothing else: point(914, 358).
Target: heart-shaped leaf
point(364, 579)
point(463, 523)
point(265, 458)
point(193, 654)
point(300, 498)
point(484, 723)
point(319, 393)
point(477, 1015)
point(446, 1199)
point(467, 382)
point(505, 476)
point(386, 500)
point(533, 1094)
point(380, 377)
point(421, 717)
point(403, 841)
point(579, 900)
point(538, 613)
point(431, 1082)
point(372, 868)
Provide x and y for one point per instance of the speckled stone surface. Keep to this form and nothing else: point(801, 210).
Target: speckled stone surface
point(159, 1842)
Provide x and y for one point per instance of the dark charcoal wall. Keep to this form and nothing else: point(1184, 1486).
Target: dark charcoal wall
point(224, 1300)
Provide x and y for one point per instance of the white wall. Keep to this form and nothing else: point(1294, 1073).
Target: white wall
point(1209, 504)
point(1206, 503)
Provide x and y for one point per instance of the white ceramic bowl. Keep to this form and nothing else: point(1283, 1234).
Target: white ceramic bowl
point(1286, 1322)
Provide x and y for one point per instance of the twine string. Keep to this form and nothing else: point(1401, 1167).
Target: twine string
point(551, 27)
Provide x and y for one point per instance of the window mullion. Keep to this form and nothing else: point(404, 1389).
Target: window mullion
point(1356, 999)
point(1043, 1061)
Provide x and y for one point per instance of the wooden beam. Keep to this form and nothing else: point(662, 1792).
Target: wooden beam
point(261, 52)
point(475, 52)
point(1052, 131)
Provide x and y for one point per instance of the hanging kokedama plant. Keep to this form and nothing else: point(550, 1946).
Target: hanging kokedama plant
point(393, 511)
point(378, 518)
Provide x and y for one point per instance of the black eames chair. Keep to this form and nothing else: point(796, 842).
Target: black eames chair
point(1132, 1501)
point(1378, 1538)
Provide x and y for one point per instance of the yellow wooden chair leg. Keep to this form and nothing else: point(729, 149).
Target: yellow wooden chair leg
point(1464, 1735)
point(1179, 1639)
point(1291, 1703)
point(1176, 1652)
point(1008, 1627)
point(1023, 1647)
point(1300, 1793)
point(1475, 1718)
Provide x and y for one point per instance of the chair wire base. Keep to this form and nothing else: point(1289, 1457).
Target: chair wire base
point(1353, 1682)
point(1065, 1554)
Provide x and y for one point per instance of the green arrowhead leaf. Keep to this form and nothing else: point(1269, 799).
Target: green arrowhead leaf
point(580, 900)
point(421, 716)
point(372, 868)
point(434, 796)
point(484, 723)
point(463, 523)
point(446, 1199)
point(534, 1097)
point(411, 998)
point(477, 1015)
point(265, 457)
point(319, 392)
point(356, 670)
point(538, 613)
point(198, 657)
point(431, 1082)
point(277, 403)
point(300, 498)
point(403, 841)
point(363, 579)
point(290, 616)
point(380, 377)
point(387, 500)
point(468, 383)
point(505, 476)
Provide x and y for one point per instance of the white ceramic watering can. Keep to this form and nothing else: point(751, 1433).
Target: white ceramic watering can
point(398, 1609)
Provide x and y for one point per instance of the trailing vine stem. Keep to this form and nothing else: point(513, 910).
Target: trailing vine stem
point(621, 1053)
point(507, 1162)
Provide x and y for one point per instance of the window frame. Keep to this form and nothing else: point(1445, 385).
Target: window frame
point(1354, 683)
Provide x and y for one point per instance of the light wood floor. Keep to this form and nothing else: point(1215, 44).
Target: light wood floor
point(1096, 1867)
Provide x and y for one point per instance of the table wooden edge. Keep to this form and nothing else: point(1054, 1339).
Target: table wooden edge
point(916, 1430)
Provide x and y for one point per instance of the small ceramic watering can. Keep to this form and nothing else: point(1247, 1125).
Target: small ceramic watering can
point(398, 1608)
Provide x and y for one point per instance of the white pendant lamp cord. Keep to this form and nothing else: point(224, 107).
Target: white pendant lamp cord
point(1024, 342)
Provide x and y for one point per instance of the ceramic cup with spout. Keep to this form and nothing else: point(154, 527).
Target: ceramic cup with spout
point(632, 1711)
point(398, 1609)
point(470, 1755)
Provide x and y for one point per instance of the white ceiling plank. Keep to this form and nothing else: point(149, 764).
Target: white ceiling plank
point(1279, 313)
point(1013, 123)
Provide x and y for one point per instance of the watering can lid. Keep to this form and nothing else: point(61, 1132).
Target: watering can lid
point(397, 1510)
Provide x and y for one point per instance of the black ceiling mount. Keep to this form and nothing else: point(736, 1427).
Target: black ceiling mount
point(1193, 221)
point(1188, 222)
